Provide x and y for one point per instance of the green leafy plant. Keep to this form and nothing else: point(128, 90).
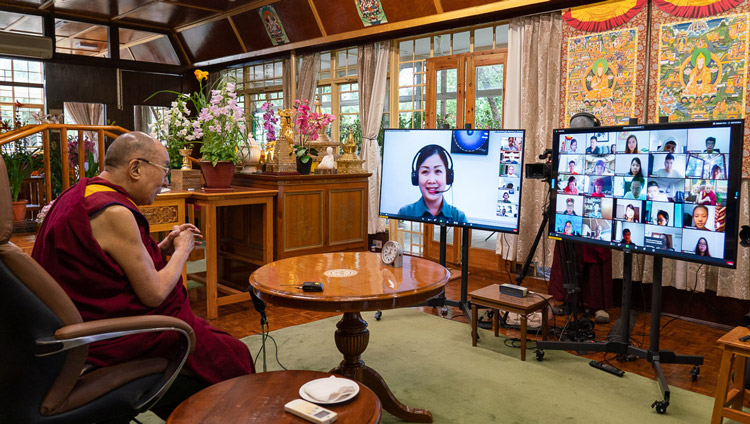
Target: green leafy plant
point(21, 160)
point(304, 153)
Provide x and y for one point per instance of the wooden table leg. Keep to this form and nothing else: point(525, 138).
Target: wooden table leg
point(496, 321)
point(352, 337)
point(545, 312)
point(523, 337)
point(721, 387)
point(474, 323)
point(212, 250)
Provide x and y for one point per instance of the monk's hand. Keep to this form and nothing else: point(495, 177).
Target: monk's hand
point(184, 240)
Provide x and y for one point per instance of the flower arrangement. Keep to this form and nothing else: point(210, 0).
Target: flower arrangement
point(309, 125)
point(269, 121)
point(220, 123)
point(174, 127)
point(90, 164)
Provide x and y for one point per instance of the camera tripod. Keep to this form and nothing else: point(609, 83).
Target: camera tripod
point(653, 354)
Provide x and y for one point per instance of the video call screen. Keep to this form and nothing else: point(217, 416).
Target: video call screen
point(467, 178)
point(662, 189)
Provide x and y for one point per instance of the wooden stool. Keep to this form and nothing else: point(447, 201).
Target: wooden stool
point(728, 401)
point(491, 297)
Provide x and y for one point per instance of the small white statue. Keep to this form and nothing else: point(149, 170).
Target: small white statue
point(327, 162)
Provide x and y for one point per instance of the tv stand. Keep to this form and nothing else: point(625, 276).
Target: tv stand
point(653, 354)
point(441, 301)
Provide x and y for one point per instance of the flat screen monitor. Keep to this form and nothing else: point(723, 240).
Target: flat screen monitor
point(662, 189)
point(466, 178)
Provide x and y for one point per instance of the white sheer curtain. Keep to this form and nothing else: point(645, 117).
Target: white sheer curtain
point(532, 103)
point(373, 70)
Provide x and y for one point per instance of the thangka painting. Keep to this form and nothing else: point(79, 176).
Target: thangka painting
point(703, 69)
point(273, 25)
point(371, 12)
point(601, 75)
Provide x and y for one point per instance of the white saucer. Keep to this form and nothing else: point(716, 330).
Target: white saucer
point(303, 393)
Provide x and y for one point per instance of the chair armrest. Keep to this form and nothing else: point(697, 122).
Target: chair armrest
point(75, 335)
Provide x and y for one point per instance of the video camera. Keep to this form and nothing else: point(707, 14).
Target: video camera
point(541, 170)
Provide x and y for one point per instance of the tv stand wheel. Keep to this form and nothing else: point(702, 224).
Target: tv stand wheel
point(661, 406)
point(695, 372)
point(539, 355)
point(443, 311)
point(378, 315)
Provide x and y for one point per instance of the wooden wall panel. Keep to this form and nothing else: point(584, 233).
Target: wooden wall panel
point(450, 5)
point(399, 10)
point(298, 19)
point(166, 15)
point(210, 41)
point(338, 17)
point(345, 217)
point(253, 32)
point(303, 215)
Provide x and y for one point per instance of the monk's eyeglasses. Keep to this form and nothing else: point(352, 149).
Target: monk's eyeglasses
point(162, 167)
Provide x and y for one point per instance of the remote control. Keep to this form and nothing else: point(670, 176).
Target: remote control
point(310, 412)
point(606, 367)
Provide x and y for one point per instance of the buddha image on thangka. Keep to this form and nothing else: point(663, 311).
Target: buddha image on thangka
point(273, 25)
point(703, 68)
point(601, 75)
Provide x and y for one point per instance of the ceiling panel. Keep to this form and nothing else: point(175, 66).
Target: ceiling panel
point(219, 5)
point(400, 10)
point(158, 51)
point(210, 41)
point(84, 7)
point(167, 15)
point(298, 20)
point(252, 31)
point(338, 17)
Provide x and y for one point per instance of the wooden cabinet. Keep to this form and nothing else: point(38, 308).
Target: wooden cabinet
point(315, 213)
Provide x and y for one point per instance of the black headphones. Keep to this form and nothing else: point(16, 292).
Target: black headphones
point(449, 171)
point(594, 121)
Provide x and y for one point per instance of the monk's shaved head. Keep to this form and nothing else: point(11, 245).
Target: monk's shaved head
point(128, 146)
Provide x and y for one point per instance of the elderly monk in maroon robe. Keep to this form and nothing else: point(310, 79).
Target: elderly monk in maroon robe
point(95, 242)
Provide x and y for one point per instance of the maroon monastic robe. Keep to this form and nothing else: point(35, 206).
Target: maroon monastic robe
point(595, 265)
point(98, 286)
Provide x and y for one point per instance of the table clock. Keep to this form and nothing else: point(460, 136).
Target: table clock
point(392, 254)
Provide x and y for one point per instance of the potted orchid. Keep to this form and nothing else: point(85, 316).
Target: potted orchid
point(309, 124)
point(174, 128)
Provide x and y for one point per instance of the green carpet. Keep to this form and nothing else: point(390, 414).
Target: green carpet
point(429, 363)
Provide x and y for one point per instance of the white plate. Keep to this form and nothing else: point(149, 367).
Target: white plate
point(303, 393)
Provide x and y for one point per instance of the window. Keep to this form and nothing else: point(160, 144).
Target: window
point(21, 90)
point(338, 90)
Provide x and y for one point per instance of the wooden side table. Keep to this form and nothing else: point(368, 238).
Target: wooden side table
point(491, 297)
point(728, 400)
point(260, 398)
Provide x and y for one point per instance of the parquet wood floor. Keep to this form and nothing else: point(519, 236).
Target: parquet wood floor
point(683, 337)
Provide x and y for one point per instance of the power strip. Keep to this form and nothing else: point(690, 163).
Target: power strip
point(513, 290)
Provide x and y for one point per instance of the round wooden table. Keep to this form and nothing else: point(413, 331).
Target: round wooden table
point(353, 282)
point(260, 398)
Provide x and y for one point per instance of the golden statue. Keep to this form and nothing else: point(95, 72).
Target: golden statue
point(281, 161)
point(287, 128)
point(350, 163)
point(351, 145)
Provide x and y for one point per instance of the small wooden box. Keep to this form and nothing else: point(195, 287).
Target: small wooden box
point(185, 180)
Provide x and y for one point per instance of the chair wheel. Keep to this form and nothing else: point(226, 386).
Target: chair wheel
point(378, 315)
point(661, 406)
point(539, 355)
point(695, 372)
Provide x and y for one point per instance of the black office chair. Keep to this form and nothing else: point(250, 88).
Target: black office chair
point(44, 346)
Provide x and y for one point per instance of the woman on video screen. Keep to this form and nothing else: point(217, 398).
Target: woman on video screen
point(432, 171)
point(701, 248)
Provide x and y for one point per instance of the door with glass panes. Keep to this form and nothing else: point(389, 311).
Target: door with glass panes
point(466, 89)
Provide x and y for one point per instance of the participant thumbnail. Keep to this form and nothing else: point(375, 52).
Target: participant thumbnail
point(633, 188)
point(512, 144)
point(571, 184)
point(631, 165)
point(629, 210)
point(664, 238)
point(510, 170)
point(569, 205)
point(706, 192)
point(507, 210)
point(669, 141)
point(632, 142)
point(507, 196)
point(570, 145)
point(665, 189)
point(600, 165)
point(701, 217)
point(599, 186)
point(628, 233)
point(510, 157)
point(571, 164)
point(597, 229)
point(597, 144)
point(707, 166)
point(667, 165)
point(597, 207)
point(510, 184)
point(568, 225)
point(663, 213)
point(708, 140)
point(703, 243)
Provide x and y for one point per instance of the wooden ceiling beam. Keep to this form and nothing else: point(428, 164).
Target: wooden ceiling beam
point(237, 33)
point(180, 49)
point(317, 17)
point(438, 6)
point(242, 9)
point(191, 6)
point(383, 29)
